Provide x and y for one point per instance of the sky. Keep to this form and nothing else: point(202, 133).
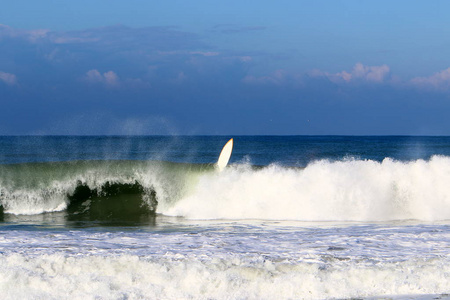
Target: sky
point(224, 67)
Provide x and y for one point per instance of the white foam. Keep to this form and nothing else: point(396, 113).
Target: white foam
point(361, 190)
point(226, 260)
point(188, 277)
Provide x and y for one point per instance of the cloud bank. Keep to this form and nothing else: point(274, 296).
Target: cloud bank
point(109, 78)
point(170, 74)
point(360, 72)
point(437, 81)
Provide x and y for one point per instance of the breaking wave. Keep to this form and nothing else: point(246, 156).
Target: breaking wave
point(346, 190)
point(92, 189)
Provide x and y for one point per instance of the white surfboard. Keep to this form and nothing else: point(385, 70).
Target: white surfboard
point(224, 156)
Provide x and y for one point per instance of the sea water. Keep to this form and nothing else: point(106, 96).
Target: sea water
point(293, 217)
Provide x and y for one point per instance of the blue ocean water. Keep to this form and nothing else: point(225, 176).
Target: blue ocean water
point(291, 217)
point(262, 150)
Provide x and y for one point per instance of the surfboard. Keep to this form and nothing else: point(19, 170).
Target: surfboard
point(224, 156)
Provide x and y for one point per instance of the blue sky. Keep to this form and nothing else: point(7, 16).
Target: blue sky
point(230, 67)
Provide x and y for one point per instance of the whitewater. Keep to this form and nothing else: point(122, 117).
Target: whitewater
point(151, 218)
point(347, 190)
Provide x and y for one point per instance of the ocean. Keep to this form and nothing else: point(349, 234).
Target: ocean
point(291, 217)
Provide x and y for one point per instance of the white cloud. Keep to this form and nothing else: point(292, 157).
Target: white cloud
point(359, 73)
point(375, 74)
point(30, 35)
point(109, 78)
point(8, 78)
point(439, 80)
point(94, 76)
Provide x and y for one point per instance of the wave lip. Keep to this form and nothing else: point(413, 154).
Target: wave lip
point(93, 189)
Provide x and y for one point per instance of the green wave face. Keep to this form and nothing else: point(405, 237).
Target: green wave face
point(94, 190)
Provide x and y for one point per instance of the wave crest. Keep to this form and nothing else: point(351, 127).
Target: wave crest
point(348, 190)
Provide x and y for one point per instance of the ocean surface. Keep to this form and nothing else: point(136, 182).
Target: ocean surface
point(291, 217)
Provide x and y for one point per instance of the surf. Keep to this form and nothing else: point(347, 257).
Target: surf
point(99, 189)
point(344, 190)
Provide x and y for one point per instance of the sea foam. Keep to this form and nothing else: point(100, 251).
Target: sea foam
point(348, 190)
point(183, 259)
point(132, 277)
